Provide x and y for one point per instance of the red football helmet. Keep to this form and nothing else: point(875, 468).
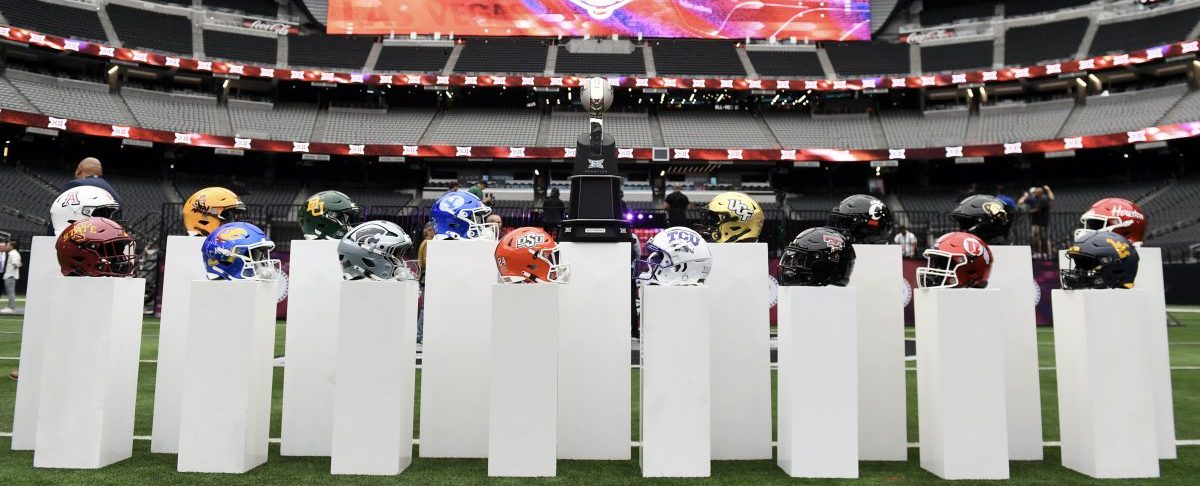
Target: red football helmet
point(957, 260)
point(96, 247)
point(529, 255)
point(1117, 215)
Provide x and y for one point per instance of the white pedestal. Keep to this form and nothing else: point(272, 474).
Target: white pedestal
point(227, 375)
point(741, 352)
point(818, 389)
point(314, 283)
point(455, 378)
point(89, 377)
point(960, 383)
point(182, 266)
point(1150, 279)
point(372, 422)
point(676, 382)
point(44, 271)
point(1105, 386)
point(523, 418)
point(882, 400)
point(1012, 273)
point(594, 417)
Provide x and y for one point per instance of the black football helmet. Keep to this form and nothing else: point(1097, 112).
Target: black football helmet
point(984, 216)
point(1100, 260)
point(863, 219)
point(816, 258)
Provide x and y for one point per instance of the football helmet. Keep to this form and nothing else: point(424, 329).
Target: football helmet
point(328, 215)
point(209, 208)
point(461, 215)
point(375, 250)
point(1116, 215)
point(957, 260)
point(862, 219)
point(983, 216)
point(96, 247)
point(239, 251)
point(529, 255)
point(1100, 260)
point(676, 256)
point(79, 203)
point(732, 217)
point(816, 258)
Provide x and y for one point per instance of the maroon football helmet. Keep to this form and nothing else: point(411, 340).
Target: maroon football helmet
point(96, 247)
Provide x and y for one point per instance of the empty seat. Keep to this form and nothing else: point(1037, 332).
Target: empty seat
point(282, 121)
point(1122, 112)
point(713, 129)
point(1019, 122)
point(503, 55)
point(425, 59)
point(957, 57)
point(1144, 32)
point(629, 129)
point(937, 12)
point(55, 19)
point(681, 57)
point(600, 64)
point(786, 63)
point(239, 47)
point(1015, 8)
point(908, 129)
point(487, 127)
point(176, 113)
point(347, 125)
point(71, 99)
point(800, 130)
point(1043, 42)
point(861, 58)
point(327, 51)
point(151, 30)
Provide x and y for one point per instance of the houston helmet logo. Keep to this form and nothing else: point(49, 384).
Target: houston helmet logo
point(740, 209)
point(601, 9)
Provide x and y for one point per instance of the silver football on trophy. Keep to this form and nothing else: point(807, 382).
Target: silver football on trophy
point(597, 95)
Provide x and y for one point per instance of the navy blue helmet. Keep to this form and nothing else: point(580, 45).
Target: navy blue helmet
point(1100, 260)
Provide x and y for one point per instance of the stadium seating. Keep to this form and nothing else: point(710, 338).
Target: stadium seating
point(681, 57)
point(937, 12)
point(503, 55)
point(71, 99)
point(328, 51)
point(1077, 198)
point(932, 201)
point(1015, 122)
point(812, 201)
point(861, 58)
point(1144, 32)
point(11, 99)
point(293, 122)
point(1174, 206)
point(486, 127)
point(177, 113)
point(957, 57)
point(141, 196)
point(786, 63)
point(906, 129)
point(1121, 112)
point(1186, 110)
point(423, 59)
point(55, 19)
point(712, 129)
point(629, 129)
point(1043, 42)
point(239, 47)
point(261, 8)
point(600, 64)
point(25, 198)
point(346, 125)
point(825, 131)
point(1016, 8)
point(151, 30)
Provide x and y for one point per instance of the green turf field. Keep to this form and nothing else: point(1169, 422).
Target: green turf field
point(159, 469)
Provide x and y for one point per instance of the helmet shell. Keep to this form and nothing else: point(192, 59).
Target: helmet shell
point(96, 247)
point(957, 260)
point(79, 203)
point(328, 215)
point(239, 251)
point(862, 218)
point(1100, 260)
point(983, 216)
point(461, 215)
point(817, 257)
point(209, 208)
point(375, 250)
point(676, 256)
point(733, 217)
point(1116, 215)
point(529, 255)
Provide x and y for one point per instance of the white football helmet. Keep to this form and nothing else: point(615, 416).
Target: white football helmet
point(677, 256)
point(78, 203)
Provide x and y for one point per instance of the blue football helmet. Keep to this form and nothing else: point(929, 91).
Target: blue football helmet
point(461, 215)
point(239, 251)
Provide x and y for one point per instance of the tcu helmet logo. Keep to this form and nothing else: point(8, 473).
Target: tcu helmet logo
point(740, 209)
point(835, 243)
point(601, 9)
point(530, 240)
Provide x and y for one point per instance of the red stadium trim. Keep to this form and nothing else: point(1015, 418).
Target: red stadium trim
point(1153, 134)
point(924, 81)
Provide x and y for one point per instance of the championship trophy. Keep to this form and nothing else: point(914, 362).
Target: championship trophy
point(594, 212)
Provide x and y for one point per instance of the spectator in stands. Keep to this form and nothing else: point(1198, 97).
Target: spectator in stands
point(1009, 203)
point(677, 205)
point(427, 234)
point(552, 211)
point(454, 187)
point(1037, 201)
point(907, 242)
point(479, 191)
point(495, 218)
point(90, 172)
point(12, 271)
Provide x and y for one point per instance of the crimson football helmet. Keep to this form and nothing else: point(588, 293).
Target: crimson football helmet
point(1117, 215)
point(529, 255)
point(957, 260)
point(96, 247)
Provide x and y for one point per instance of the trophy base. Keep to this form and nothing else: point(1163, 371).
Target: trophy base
point(594, 230)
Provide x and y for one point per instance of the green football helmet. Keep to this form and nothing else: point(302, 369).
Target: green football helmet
point(328, 215)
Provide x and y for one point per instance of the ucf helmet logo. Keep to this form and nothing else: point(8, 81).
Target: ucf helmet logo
point(601, 9)
point(740, 209)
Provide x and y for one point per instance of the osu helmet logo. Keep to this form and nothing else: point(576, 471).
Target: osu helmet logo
point(529, 240)
point(601, 9)
point(230, 234)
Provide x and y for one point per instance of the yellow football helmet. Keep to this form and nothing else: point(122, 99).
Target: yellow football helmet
point(210, 208)
point(733, 217)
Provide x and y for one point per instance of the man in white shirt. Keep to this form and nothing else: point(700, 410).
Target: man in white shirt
point(907, 242)
point(12, 272)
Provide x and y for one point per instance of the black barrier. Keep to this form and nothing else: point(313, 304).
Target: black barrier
point(1181, 282)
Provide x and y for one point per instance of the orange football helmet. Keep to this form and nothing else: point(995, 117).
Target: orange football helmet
point(529, 255)
point(210, 208)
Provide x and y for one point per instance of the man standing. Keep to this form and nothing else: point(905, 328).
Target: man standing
point(1037, 201)
point(499, 222)
point(907, 242)
point(677, 205)
point(552, 211)
point(90, 172)
point(479, 191)
point(427, 234)
point(12, 272)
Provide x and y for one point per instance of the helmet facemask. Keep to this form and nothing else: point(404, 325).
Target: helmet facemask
point(940, 270)
point(477, 225)
point(257, 263)
point(1093, 222)
point(556, 272)
point(101, 211)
